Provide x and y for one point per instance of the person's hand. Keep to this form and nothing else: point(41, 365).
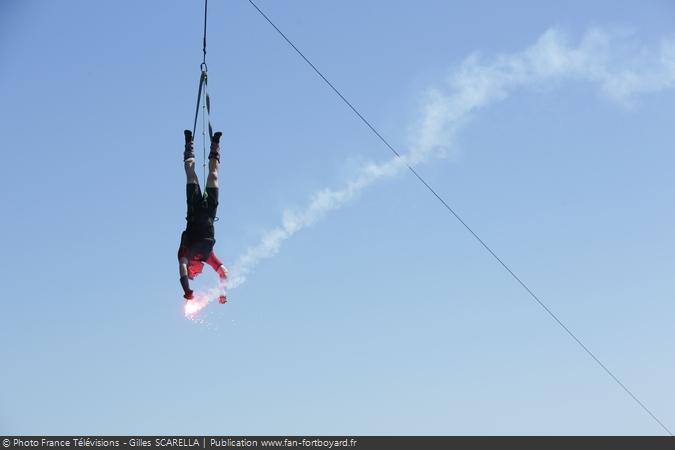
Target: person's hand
point(222, 273)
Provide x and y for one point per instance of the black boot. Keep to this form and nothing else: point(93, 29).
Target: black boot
point(189, 149)
point(215, 146)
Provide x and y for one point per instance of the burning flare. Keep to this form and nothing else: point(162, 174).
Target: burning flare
point(201, 299)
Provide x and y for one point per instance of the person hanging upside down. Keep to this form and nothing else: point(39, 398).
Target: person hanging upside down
point(197, 241)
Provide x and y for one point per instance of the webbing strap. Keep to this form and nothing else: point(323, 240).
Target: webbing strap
point(203, 88)
point(208, 106)
point(203, 83)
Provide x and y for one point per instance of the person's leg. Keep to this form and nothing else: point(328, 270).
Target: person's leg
point(214, 161)
point(189, 159)
point(193, 190)
point(190, 172)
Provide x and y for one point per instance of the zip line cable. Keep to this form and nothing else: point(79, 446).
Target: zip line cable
point(473, 233)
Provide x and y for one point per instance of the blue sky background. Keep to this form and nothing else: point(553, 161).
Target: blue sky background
point(385, 317)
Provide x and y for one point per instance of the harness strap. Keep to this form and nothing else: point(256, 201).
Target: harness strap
point(203, 88)
point(208, 106)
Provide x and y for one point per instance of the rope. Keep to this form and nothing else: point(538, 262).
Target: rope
point(199, 97)
point(207, 102)
point(203, 79)
point(204, 143)
point(206, 119)
point(206, 8)
point(473, 233)
point(203, 89)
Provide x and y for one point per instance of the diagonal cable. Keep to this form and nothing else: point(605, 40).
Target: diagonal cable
point(473, 233)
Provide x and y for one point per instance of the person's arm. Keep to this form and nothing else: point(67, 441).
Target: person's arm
point(222, 273)
point(184, 280)
point(217, 265)
point(220, 269)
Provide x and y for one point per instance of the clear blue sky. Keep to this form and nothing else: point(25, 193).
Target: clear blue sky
point(383, 317)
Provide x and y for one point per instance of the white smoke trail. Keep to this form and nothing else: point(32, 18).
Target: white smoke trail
point(616, 63)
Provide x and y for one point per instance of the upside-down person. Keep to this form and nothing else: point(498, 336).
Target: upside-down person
point(198, 239)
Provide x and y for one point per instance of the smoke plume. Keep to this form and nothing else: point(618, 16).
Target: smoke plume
point(619, 66)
